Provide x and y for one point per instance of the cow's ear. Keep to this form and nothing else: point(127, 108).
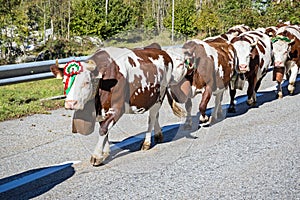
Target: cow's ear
point(107, 84)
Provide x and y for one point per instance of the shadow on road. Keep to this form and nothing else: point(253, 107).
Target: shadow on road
point(174, 131)
point(34, 182)
point(262, 98)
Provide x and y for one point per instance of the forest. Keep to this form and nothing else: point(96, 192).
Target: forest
point(54, 24)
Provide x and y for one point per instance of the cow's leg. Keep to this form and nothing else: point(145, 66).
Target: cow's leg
point(203, 104)
point(158, 136)
point(101, 151)
point(251, 91)
point(278, 73)
point(188, 121)
point(218, 112)
point(152, 119)
point(294, 72)
point(232, 93)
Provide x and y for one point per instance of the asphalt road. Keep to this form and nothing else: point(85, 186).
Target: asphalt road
point(252, 154)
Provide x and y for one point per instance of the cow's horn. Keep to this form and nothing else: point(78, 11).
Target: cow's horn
point(292, 40)
point(254, 43)
point(91, 65)
point(59, 65)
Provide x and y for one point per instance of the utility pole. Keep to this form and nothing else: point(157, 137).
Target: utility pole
point(106, 11)
point(173, 20)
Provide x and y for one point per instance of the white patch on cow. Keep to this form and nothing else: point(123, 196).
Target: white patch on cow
point(179, 71)
point(196, 91)
point(135, 110)
point(159, 63)
point(221, 72)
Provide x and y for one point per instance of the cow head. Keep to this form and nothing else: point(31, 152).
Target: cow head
point(80, 83)
point(244, 52)
point(281, 50)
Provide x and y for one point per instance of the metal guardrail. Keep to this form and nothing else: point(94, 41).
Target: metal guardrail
point(10, 74)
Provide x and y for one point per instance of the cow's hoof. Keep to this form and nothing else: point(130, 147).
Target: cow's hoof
point(250, 102)
point(291, 88)
point(205, 121)
point(279, 95)
point(187, 126)
point(231, 109)
point(159, 137)
point(98, 161)
point(146, 146)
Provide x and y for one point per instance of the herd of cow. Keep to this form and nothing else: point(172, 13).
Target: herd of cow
point(114, 81)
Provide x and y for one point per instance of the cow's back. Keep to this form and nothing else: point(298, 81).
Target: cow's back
point(226, 61)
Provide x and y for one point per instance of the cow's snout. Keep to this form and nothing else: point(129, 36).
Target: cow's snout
point(70, 104)
point(243, 67)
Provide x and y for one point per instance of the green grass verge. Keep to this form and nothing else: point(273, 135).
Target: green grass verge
point(24, 99)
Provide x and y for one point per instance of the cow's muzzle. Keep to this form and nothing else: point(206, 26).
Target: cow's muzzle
point(70, 104)
point(278, 64)
point(243, 68)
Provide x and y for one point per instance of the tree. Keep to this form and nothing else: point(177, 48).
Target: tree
point(184, 18)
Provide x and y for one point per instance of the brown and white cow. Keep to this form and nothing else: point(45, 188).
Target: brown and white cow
point(254, 52)
point(231, 33)
point(117, 81)
point(209, 67)
point(286, 48)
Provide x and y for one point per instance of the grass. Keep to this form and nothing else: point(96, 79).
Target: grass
point(24, 99)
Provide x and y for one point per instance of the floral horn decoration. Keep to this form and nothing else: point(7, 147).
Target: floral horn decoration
point(71, 69)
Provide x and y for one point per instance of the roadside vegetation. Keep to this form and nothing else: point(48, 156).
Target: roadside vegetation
point(60, 28)
point(24, 99)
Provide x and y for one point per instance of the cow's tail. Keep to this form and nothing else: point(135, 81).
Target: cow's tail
point(177, 110)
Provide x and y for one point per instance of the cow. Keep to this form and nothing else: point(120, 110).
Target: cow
point(254, 52)
point(208, 68)
point(286, 49)
point(114, 81)
point(231, 33)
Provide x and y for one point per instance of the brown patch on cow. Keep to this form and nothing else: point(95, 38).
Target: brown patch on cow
point(261, 63)
point(131, 61)
point(261, 46)
point(145, 97)
point(150, 70)
point(257, 33)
